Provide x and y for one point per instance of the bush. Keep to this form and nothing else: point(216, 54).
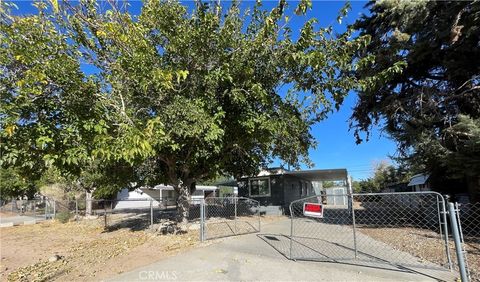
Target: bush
point(63, 217)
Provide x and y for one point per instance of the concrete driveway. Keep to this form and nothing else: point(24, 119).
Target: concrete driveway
point(262, 257)
point(20, 220)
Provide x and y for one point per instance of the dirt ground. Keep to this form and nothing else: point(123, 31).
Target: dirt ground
point(87, 251)
point(429, 246)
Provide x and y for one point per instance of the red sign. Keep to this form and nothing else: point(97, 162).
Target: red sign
point(313, 210)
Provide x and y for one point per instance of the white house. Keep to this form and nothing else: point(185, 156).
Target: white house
point(161, 194)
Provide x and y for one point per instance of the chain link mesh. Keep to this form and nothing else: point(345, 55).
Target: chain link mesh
point(229, 216)
point(38, 209)
point(405, 229)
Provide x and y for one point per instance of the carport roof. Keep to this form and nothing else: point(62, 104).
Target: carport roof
point(320, 174)
point(311, 175)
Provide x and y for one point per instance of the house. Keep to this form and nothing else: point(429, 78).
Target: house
point(396, 187)
point(167, 193)
point(161, 195)
point(276, 188)
point(420, 182)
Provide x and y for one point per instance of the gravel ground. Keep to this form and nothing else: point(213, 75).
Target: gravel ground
point(426, 245)
point(472, 246)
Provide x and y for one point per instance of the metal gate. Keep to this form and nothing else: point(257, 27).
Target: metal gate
point(407, 229)
point(228, 216)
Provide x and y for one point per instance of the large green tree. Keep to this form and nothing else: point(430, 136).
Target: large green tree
point(13, 185)
point(50, 110)
point(180, 95)
point(46, 101)
point(422, 84)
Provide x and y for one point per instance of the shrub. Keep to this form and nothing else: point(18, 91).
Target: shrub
point(63, 216)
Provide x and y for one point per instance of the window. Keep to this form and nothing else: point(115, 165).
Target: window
point(259, 187)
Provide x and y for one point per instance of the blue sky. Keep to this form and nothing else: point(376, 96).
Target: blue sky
point(336, 148)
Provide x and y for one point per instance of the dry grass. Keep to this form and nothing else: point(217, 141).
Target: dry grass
point(426, 245)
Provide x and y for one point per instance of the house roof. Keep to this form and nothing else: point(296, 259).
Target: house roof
point(320, 174)
point(311, 175)
point(197, 187)
point(418, 179)
point(229, 183)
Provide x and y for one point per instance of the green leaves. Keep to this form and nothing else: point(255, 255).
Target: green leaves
point(190, 94)
point(302, 7)
point(419, 83)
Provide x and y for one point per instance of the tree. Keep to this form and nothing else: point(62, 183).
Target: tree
point(185, 96)
point(50, 112)
point(422, 83)
point(12, 185)
point(384, 175)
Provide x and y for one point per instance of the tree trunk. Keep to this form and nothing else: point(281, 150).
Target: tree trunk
point(88, 204)
point(183, 205)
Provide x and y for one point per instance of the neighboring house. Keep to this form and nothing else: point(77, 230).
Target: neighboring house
point(168, 194)
point(163, 195)
point(420, 182)
point(397, 187)
point(276, 188)
point(138, 198)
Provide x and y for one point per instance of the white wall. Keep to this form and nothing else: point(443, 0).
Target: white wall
point(134, 199)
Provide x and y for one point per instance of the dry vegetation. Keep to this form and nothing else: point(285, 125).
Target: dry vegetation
point(87, 251)
point(426, 245)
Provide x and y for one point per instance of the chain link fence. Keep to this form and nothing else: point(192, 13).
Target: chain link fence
point(402, 229)
point(37, 209)
point(468, 216)
point(213, 217)
point(230, 216)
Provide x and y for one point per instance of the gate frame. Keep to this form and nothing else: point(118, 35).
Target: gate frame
point(350, 195)
point(203, 216)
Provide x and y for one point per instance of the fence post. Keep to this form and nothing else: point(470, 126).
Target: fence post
point(105, 213)
point(259, 217)
point(445, 231)
point(151, 212)
point(202, 220)
point(457, 208)
point(34, 208)
point(76, 209)
point(54, 209)
point(235, 218)
point(353, 226)
point(456, 238)
point(291, 229)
